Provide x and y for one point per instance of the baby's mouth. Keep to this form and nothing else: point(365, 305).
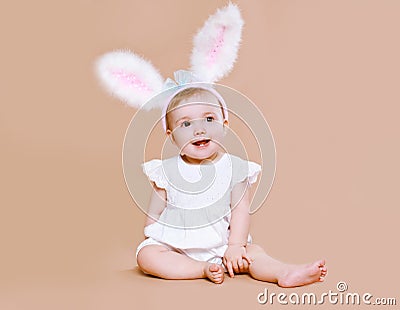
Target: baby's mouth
point(202, 142)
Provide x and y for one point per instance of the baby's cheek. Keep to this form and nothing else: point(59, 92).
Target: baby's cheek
point(216, 130)
point(182, 137)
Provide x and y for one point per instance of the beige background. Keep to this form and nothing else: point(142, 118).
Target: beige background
point(324, 73)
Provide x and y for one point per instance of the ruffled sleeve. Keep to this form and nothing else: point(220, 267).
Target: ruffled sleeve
point(244, 170)
point(253, 171)
point(153, 169)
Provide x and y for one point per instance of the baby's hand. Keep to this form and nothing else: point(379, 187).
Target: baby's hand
point(236, 260)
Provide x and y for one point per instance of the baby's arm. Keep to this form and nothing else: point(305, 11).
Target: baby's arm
point(157, 204)
point(239, 229)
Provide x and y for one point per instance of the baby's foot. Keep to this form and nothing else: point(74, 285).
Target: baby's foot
point(304, 274)
point(214, 272)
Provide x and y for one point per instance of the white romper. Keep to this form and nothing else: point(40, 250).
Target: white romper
point(195, 221)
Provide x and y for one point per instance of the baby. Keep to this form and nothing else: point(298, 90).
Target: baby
point(198, 219)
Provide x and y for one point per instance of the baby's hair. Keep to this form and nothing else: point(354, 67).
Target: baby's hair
point(185, 94)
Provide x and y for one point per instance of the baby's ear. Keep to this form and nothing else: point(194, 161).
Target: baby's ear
point(129, 77)
point(216, 44)
point(170, 135)
point(226, 126)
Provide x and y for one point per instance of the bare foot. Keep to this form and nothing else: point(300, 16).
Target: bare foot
point(304, 274)
point(214, 272)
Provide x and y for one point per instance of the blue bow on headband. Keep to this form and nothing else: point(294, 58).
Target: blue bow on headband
point(182, 77)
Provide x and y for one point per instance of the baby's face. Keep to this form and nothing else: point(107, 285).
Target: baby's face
point(197, 127)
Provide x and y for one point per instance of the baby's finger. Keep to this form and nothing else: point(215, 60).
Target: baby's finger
point(246, 257)
point(235, 266)
point(240, 263)
point(245, 267)
point(230, 270)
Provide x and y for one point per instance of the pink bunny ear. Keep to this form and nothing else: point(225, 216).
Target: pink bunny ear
point(216, 44)
point(129, 77)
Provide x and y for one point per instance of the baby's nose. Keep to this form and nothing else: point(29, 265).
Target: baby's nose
point(199, 129)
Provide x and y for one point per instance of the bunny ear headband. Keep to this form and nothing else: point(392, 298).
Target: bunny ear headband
point(135, 80)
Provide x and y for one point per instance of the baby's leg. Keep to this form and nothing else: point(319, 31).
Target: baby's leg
point(162, 262)
point(266, 268)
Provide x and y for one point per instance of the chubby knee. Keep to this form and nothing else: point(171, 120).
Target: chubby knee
point(141, 258)
point(144, 258)
point(147, 255)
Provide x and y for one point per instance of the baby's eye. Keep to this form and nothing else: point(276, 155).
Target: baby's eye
point(209, 118)
point(185, 124)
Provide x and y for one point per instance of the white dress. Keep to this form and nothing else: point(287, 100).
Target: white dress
point(196, 218)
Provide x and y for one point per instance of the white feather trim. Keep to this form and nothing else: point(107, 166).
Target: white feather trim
point(216, 44)
point(129, 77)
